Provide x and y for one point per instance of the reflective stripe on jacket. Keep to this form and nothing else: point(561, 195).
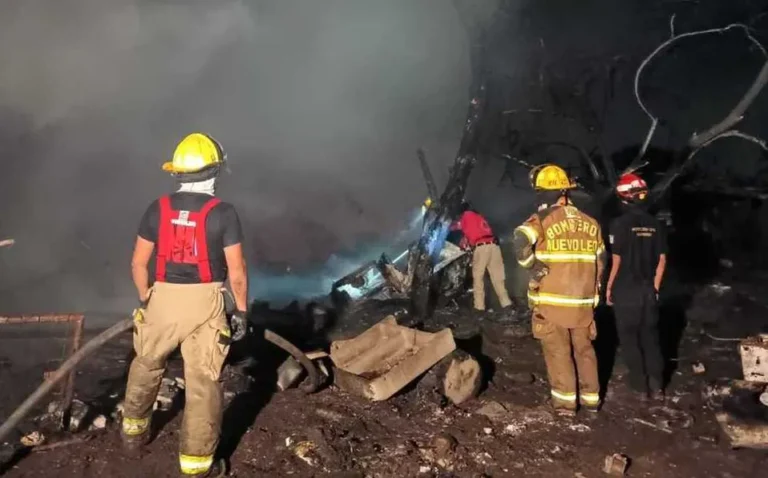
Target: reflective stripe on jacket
point(570, 244)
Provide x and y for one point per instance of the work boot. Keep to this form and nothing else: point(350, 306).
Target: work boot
point(591, 408)
point(217, 470)
point(506, 315)
point(133, 445)
point(561, 412)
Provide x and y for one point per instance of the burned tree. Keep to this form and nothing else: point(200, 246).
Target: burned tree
point(722, 129)
point(439, 218)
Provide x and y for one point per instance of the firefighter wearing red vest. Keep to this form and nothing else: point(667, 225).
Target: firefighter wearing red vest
point(196, 240)
point(486, 256)
point(564, 251)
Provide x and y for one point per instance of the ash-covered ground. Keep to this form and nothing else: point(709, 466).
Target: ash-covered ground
point(507, 431)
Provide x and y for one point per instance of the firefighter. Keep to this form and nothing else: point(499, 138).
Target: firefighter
point(563, 249)
point(196, 240)
point(638, 250)
point(486, 256)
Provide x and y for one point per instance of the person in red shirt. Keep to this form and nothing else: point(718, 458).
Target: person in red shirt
point(486, 256)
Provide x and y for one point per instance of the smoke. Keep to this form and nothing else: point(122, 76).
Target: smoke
point(320, 106)
point(317, 281)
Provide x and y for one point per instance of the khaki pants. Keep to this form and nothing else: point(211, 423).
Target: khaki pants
point(191, 316)
point(562, 347)
point(488, 257)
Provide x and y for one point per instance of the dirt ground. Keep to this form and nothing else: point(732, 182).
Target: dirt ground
point(507, 431)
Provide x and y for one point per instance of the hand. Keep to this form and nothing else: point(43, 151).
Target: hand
point(609, 296)
point(238, 325)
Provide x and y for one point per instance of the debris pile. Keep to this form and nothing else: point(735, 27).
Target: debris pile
point(387, 357)
point(742, 405)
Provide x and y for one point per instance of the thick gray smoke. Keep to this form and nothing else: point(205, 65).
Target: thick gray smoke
point(320, 106)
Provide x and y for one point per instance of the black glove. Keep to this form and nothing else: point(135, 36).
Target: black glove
point(238, 325)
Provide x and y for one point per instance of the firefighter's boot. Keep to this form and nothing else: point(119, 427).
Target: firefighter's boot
point(135, 434)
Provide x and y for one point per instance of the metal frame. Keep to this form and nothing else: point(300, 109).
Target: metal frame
point(68, 388)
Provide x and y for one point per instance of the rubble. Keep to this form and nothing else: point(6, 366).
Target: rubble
point(33, 439)
point(78, 412)
point(698, 368)
point(754, 358)
point(289, 373)
point(444, 444)
point(740, 412)
point(166, 395)
point(616, 464)
point(383, 279)
point(385, 358)
point(493, 411)
point(307, 452)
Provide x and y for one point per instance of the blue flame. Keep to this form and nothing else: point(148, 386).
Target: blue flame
point(317, 282)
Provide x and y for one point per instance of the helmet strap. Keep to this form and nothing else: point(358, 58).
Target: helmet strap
point(196, 177)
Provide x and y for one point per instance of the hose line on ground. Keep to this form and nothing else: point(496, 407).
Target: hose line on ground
point(123, 326)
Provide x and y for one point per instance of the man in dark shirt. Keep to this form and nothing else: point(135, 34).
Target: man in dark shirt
point(639, 249)
point(196, 241)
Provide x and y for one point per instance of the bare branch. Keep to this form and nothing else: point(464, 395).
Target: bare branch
point(428, 178)
point(672, 26)
point(736, 113)
point(673, 174)
point(518, 161)
point(739, 134)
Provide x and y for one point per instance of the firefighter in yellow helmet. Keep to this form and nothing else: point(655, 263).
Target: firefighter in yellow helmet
point(196, 240)
point(563, 249)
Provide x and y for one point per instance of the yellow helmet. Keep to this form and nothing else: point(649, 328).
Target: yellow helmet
point(427, 203)
point(549, 177)
point(195, 153)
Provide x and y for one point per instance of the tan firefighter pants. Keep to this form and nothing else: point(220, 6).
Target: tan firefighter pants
point(191, 316)
point(488, 257)
point(562, 347)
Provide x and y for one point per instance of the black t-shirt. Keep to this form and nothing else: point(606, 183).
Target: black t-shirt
point(639, 239)
point(222, 227)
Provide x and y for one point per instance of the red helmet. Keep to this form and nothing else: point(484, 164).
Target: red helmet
point(631, 187)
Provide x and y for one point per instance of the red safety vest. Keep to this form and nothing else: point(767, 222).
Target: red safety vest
point(182, 239)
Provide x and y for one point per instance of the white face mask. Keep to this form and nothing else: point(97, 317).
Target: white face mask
point(202, 187)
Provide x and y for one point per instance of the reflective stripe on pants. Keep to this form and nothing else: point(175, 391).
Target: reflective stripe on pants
point(591, 399)
point(135, 426)
point(543, 298)
point(194, 465)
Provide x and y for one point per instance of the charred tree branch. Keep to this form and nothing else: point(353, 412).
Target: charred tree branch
point(674, 173)
point(428, 178)
point(439, 219)
point(730, 120)
point(736, 115)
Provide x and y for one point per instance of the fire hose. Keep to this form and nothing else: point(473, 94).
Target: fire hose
point(124, 325)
